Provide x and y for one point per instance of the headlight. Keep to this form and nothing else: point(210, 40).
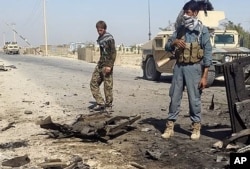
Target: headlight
point(222, 58)
point(228, 58)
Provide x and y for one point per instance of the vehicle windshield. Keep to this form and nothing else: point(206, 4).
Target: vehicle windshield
point(224, 39)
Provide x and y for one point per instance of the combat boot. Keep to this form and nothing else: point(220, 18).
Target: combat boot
point(99, 107)
point(196, 131)
point(169, 131)
point(109, 108)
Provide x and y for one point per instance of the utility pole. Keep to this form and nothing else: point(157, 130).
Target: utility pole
point(45, 28)
point(149, 25)
point(14, 32)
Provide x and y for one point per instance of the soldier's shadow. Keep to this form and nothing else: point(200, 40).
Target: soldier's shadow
point(218, 132)
point(163, 79)
point(166, 78)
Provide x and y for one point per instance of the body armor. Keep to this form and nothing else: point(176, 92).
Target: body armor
point(191, 54)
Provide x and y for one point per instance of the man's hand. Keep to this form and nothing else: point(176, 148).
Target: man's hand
point(203, 83)
point(179, 43)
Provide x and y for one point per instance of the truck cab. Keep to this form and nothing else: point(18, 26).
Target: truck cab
point(226, 48)
point(11, 48)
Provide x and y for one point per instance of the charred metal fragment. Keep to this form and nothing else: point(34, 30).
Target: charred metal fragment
point(97, 126)
point(238, 96)
point(236, 136)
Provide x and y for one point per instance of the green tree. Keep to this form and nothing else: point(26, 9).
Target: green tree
point(244, 35)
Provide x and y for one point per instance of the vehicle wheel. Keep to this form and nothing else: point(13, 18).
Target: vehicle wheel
point(211, 76)
point(149, 71)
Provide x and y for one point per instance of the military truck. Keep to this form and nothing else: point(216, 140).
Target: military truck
point(226, 47)
point(11, 48)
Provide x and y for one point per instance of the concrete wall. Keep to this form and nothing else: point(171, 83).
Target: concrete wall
point(92, 56)
point(88, 54)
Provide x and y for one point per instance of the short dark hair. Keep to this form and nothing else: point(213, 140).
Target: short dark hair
point(101, 24)
point(191, 5)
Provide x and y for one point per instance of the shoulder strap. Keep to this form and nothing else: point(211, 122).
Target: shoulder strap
point(200, 31)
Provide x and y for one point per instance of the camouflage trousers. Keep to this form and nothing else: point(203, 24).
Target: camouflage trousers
point(97, 79)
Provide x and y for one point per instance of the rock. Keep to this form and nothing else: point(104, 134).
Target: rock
point(17, 161)
point(218, 144)
point(28, 112)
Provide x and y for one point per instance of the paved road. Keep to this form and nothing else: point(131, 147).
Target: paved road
point(67, 81)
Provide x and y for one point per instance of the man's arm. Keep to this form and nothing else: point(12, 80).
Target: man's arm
point(207, 58)
point(110, 56)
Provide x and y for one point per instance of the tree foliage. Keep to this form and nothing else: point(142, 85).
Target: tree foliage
point(244, 35)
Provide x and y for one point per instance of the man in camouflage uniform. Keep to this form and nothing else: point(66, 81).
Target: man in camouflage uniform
point(103, 71)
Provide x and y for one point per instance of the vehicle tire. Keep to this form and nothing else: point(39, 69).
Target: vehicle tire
point(149, 71)
point(211, 76)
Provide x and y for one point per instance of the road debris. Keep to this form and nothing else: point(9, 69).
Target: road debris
point(6, 68)
point(12, 145)
point(134, 164)
point(97, 126)
point(17, 161)
point(10, 125)
point(76, 162)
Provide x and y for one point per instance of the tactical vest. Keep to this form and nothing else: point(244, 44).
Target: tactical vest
point(192, 53)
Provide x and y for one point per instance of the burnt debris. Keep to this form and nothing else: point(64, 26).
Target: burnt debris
point(95, 127)
point(238, 96)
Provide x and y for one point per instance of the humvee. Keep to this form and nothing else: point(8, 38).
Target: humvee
point(11, 48)
point(226, 47)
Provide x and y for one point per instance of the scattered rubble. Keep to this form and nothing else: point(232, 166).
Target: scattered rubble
point(10, 125)
point(96, 126)
point(76, 162)
point(12, 145)
point(6, 68)
point(17, 161)
point(134, 164)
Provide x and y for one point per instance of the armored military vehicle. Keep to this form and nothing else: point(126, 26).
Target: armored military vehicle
point(226, 47)
point(11, 48)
